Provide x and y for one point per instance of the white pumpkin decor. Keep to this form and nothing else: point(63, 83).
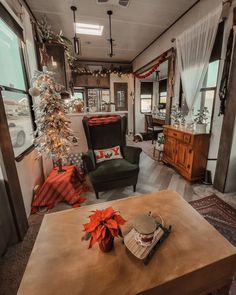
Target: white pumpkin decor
point(201, 120)
point(34, 91)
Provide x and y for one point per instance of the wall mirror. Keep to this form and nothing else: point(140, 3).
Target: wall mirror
point(156, 89)
point(121, 96)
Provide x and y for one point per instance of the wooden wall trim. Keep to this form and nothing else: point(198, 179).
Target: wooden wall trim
point(227, 131)
point(10, 175)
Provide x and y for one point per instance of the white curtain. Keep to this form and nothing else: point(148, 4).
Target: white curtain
point(194, 47)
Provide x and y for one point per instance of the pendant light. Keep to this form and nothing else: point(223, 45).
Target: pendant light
point(76, 40)
point(110, 40)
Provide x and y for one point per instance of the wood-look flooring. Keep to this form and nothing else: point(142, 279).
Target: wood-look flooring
point(155, 176)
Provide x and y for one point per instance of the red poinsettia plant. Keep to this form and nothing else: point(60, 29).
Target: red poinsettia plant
point(103, 227)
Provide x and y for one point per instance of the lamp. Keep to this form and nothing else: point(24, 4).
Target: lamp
point(110, 40)
point(76, 40)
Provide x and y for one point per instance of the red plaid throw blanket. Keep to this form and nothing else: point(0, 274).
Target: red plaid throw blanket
point(102, 119)
point(59, 187)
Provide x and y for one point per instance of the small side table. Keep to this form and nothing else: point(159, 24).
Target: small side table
point(59, 187)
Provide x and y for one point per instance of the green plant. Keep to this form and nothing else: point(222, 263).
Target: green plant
point(176, 114)
point(161, 139)
point(202, 116)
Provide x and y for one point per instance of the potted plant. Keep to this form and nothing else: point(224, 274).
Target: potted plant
point(160, 143)
point(176, 115)
point(201, 120)
point(103, 227)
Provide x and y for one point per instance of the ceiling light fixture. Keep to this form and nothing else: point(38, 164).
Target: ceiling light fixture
point(76, 40)
point(110, 40)
point(88, 29)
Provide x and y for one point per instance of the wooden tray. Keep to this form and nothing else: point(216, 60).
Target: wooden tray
point(145, 253)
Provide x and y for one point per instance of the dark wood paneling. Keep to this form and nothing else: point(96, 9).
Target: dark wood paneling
point(7, 229)
point(227, 131)
point(10, 175)
point(169, 91)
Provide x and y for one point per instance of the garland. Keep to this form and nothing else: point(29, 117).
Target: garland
point(153, 69)
point(102, 73)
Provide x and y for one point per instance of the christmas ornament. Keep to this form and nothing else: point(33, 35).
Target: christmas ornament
point(34, 91)
point(54, 136)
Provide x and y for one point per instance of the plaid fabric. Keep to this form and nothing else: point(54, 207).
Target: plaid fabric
point(102, 119)
point(59, 187)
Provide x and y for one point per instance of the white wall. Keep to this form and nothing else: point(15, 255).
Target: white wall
point(124, 79)
point(164, 43)
point(29, 173)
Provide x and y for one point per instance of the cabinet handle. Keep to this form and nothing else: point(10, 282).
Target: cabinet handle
point(175, 134)
point(190, 151)
point(188, 166)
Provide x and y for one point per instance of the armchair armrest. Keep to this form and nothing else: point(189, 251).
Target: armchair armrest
point(132, 154)
point(89, 161)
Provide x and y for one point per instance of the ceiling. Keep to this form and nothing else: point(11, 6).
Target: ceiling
point(133, 28)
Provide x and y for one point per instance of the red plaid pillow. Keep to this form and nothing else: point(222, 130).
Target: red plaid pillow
point(108, 154)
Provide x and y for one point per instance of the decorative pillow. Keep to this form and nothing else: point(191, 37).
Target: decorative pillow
point(108, 154)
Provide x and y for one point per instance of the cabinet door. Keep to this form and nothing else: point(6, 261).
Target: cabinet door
point(183, 156)
point(170, 149)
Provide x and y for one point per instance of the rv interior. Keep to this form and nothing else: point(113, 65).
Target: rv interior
point(117, 147)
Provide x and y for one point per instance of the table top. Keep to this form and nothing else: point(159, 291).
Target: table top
point(194, 253)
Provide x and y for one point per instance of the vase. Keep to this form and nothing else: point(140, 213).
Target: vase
point(107, 244)
point(200, 128)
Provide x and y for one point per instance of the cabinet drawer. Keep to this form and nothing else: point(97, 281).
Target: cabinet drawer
point(188, 138)
point(175, 134)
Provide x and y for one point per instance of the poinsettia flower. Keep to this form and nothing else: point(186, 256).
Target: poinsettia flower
point(107, 213)
point(119, 219)
point(111, 223)
point(103, 224)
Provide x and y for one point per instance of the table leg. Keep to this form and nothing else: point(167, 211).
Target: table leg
point(224, 290)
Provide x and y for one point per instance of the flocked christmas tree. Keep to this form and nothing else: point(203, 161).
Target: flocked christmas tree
point(54, 136)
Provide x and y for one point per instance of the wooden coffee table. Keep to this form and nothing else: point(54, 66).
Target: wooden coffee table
point(195, 259)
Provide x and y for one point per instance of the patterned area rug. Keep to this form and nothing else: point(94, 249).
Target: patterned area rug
point(222, 216)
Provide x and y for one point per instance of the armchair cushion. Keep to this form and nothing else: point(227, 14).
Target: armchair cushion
point(132, 154)
point(113, 170)
point(108, 154)
point(89, 161)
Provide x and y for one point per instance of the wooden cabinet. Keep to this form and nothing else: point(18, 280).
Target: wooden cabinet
point(186, 151)
point(82, 80)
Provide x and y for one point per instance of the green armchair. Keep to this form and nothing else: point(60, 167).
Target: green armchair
point(114, 173)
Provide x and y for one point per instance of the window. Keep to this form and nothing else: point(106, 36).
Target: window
point(17, 103)
point(146, 97)
point(162, 96)
point(79, 93)
point(208, 91)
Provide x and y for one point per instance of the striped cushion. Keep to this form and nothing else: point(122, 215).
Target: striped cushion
point(102, 119)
